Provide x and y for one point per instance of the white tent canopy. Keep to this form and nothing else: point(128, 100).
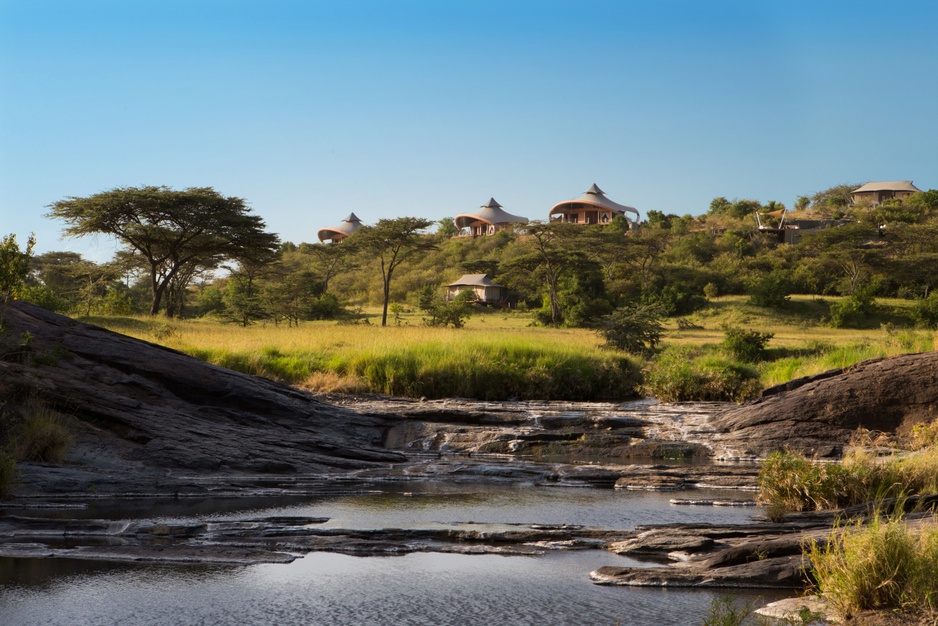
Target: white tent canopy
point(345, 228)
point(491, 214)
point(594, 198)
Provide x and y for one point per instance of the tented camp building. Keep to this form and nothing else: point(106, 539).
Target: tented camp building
point(486, 291)
point(488, 220)
point(877, 193)
point(337, 233)
point(593, 207)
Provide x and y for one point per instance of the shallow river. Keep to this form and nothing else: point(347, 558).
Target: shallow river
point(420, 588)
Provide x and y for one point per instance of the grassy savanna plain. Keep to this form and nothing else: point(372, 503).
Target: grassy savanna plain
point(500, 354)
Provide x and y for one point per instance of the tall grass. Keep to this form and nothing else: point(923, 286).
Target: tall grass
point(40, 436)
point(412, 359)
point(790, 482)
point(486, 363)
point(883, 564)
point(515, 368)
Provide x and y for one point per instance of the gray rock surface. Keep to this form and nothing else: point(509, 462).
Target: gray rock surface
point(818, 415)
point(141, 412)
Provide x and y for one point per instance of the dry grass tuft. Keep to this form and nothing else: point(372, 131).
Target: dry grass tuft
point(331, 382)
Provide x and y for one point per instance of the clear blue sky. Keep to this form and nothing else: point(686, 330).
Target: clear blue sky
point(312, 109)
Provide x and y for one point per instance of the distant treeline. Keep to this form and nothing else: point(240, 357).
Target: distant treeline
point(568, 274)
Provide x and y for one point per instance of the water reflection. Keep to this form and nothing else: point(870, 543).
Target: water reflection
point(327, 589)
point(330, 589)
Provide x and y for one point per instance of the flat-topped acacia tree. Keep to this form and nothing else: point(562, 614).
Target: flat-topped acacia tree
point(393, 241)
point(174, 231)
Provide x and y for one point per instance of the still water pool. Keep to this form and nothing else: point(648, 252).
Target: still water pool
point(421, 588)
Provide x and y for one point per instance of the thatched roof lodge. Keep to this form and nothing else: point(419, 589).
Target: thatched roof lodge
point(877, 193)
point(488, 221)
point(592, 208)
point(486, 291)
point(337, 233)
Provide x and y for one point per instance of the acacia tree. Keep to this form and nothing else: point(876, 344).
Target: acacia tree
point(177, 233)
point(393, 241)
point(550, 255)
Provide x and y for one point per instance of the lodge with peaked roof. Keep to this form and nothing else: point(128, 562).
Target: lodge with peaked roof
point(488, 221)
point(593, 207)
point(877, 192)
point(337, 233)
point(485, 290)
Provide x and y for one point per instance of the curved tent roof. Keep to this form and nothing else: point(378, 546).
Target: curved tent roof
point(491, 213)
point(345, 228)
point(896, 185)
point(596, 197)
point(474, 280)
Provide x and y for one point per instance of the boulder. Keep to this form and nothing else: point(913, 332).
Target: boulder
point(818, 415)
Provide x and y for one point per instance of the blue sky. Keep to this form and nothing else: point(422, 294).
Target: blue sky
point(311, 109)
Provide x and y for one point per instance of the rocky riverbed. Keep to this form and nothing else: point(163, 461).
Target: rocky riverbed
point(149, 421)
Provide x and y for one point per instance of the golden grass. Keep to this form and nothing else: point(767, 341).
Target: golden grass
point(322, 353)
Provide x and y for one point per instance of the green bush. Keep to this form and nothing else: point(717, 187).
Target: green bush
point(635, 329)
point(745, 345)
point(770, 291)
point(925, 312)
point(677, 299)
point(443, 312)
point(678, 376)
point(851, 312)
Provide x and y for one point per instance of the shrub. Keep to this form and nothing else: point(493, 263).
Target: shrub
point(771, 291)
point(676, 376)
point(745, 345)
point(882, 565)
point(442, 312)
point(925, 312)
point(852, 311)
point(711, 291)
point(677, 299)
point(635, 329)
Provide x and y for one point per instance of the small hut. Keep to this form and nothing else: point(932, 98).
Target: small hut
point(486, 291)
point(337, 233)
point(488, 221)
point(877, 193)
point(593, 207)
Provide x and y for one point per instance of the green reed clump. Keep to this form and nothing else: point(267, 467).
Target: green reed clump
point(791, 482)
point(680, 375)
point(883, 564)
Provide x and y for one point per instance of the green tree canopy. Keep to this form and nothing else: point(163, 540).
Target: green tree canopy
point(14, 266)
point(178, 233)
point(393, 241)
